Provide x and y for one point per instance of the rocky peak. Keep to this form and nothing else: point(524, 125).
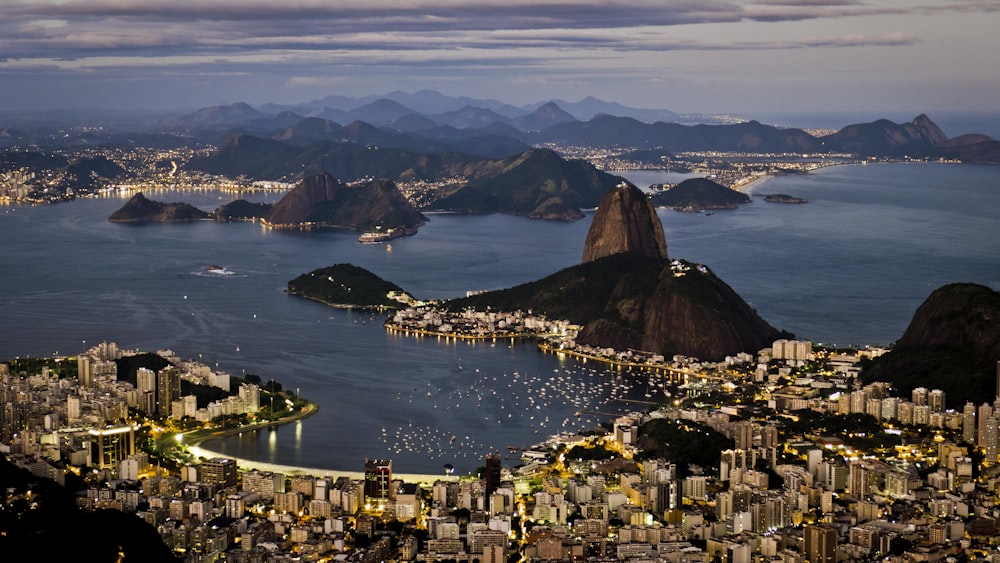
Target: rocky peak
point(927, 130)
point(625, 222)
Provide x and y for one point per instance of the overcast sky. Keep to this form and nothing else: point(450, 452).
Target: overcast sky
point(711, 56)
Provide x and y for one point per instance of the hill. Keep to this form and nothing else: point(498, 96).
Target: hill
point(242, 209)
point(952, 343)
point(625, 222)
point(920, 137)
point(699, 193)
point(538, 184)
point(345, 285)
point(324, 201)
point(626, 301)
point(142, 210)
point(626, 294)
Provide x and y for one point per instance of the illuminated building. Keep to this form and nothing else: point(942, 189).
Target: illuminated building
point(110, 446)
point(378, 480)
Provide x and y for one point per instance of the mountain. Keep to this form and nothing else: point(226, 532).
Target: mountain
point(142, 210)
point(952, 343)
point(920, 137)
point(544, 117)
point(469, 117)
point(535, 183)
point(699, 193)
point(607, 131)
point(413, 122)
point(93, 171)
point(241, 210)
point(380, 111)
point(430, 102)
point(628, 301)
point(625, 222)
point(972, 151)
point(590, 107)
point(215, 115)
point(626, 294)
point(346, 285)
point(538, 184)
point(247, 155)
point(323, 201)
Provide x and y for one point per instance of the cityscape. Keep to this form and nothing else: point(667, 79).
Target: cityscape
point(902, 476)
point(679, 282)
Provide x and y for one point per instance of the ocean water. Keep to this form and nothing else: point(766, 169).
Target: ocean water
point(849, 267)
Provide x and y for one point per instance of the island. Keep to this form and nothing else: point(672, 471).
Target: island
point(783, 198)
point(697, 194)
point(142, 210)
point(349, 286)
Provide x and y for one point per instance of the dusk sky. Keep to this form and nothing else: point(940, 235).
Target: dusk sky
point(710, 56)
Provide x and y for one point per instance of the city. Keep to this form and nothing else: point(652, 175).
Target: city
point(811, 466)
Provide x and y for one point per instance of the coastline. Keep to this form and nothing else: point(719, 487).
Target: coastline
point(196, 438)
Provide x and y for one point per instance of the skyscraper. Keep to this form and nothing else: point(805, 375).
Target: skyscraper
point(109, 446)
point(969, 423)
point(168, 389)
point(378, 481)
point(492, 476)
point(820, 544)
point(218, 470)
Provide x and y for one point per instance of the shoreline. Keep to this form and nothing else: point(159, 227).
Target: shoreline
point(194, 440)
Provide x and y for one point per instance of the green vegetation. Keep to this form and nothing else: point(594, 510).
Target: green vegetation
point(684, 443)
point(40, 517)
point(345, 285)
point(857, 430)
point(590, 453)
point(62, 367)
point(699, 193)
point(142, 210)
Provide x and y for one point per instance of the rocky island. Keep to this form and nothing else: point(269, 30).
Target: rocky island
point(628, 295)
point(142, 210)
point(783, 198)
point(697, 194)
point(349, 286)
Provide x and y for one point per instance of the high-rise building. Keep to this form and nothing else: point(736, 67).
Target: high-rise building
point(219, 470)
point(985, 411)
point(989, 439)
point(492, 476)
point(378, 480)
point(84, 371)
point(998, 379)
point(145, 386)
point(743, 435)
point(919, 396)
point(168, 389)
point(936, 400)
point(820, 544)
point(969, 423)
point(110, 446)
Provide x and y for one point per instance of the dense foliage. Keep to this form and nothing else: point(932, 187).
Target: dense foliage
point(345, 284)
point(684, 443)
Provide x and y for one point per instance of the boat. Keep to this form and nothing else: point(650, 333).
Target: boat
point(218, 270)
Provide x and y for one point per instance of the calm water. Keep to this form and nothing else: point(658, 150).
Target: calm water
point(850, 267)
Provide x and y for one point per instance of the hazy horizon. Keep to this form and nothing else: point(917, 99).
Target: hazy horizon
point(745, 58)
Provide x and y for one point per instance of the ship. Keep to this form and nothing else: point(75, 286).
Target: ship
point(380, 236)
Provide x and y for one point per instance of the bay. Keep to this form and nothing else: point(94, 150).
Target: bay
point(849, 267)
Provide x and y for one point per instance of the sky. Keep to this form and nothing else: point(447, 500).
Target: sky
point(689, 56)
